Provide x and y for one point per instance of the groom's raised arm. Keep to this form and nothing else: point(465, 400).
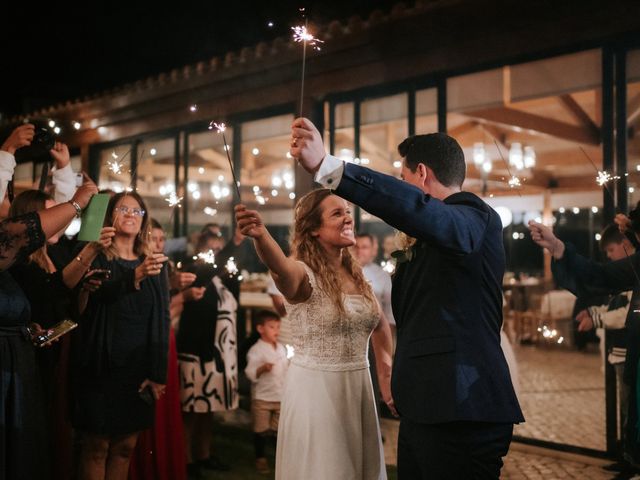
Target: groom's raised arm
point(459, 228)
point(456, 227)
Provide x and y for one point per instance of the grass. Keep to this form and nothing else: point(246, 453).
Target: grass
point(235, 446)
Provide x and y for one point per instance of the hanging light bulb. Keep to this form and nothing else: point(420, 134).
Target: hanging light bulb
point(478, 153)
point(515, 156)
point(529, 157)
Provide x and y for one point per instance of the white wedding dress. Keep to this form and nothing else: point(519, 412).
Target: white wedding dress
point(328, 422)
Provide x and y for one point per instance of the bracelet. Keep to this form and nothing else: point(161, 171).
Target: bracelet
point(77, 207)
point(79, 259)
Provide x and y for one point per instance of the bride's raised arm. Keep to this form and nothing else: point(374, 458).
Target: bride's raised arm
point(289, 275)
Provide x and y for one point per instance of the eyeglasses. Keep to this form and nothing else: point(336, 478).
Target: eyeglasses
point(137, 212)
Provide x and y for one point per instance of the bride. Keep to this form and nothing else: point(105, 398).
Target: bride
point(328, 422)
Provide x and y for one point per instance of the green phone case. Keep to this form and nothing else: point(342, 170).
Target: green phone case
point(93, 218)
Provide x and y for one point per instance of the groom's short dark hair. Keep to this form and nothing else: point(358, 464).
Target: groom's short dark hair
point(438, 151)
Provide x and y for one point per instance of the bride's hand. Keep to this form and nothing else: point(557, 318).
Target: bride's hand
point(249, 222)
point(387, 398)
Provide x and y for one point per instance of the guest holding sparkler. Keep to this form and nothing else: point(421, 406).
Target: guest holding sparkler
point(328, 422)
point(121, 346)
point(586, 277)
point(207, 357)
point(159, 454)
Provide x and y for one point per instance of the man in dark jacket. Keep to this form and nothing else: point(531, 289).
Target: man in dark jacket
point(450, 383)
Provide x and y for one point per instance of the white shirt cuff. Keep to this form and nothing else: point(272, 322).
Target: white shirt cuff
point(7, 165)
point(64, 181)
point(330, 172)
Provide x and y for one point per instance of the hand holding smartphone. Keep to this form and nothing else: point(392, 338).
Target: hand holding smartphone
point(46, 337)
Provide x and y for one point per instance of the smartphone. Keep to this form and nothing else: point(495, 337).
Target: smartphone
point(79, 179)
point(100, 274)
point(58, 330)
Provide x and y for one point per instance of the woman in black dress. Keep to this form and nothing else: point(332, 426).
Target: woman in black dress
point(22, 437)
point(48, 286)
point(121, 344)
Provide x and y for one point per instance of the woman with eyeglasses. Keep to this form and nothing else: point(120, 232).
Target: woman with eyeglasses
point(121, 344)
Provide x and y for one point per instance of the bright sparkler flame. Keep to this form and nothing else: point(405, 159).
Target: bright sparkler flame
point(207, 257)
point(231, 266)
point(514, 182)
point(114, 165)
point(220, 127)
point(301, 34)
point(174, 200)
point(605, 177)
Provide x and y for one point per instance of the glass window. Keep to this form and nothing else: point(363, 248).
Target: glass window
point(156, 179)
point(383, 125)
point(210, 183)
point(344, 132)
point(526, 131)
point(23, 177)
point(267, 174)
point(115, 168)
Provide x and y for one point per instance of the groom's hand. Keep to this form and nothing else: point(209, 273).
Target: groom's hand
point(306, 144)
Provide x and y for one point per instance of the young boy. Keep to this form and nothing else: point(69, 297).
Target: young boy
point(266, 368)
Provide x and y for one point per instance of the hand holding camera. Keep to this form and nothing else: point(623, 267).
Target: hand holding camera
point(20, 137)
point(60, 153)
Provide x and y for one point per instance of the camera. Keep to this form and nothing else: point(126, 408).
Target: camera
point(44, 140)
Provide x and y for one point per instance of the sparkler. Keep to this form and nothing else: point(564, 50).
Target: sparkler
point(231, 266)
point(115, 165)
point(174, 200)
point(221, 127)
point(514, 182)
point(301, 35)
point(207, 257)
point(602, 179)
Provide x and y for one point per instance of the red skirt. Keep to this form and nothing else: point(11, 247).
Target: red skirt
point(160, 453)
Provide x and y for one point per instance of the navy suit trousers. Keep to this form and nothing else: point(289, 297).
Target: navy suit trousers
point(452, 451)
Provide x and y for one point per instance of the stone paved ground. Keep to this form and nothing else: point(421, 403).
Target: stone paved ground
point(562, 396)
point(522, 462)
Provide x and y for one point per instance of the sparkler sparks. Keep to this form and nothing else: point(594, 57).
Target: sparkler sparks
point(174, 200)
point(514, 182)
point(301, 35)
point(605, 177)
point(115, 166)
point(231, 266)
point(220, 127)
point(207, 257)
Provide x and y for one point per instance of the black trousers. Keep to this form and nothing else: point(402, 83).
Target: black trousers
point(456, 451)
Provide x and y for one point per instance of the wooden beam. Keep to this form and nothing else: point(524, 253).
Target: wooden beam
point(461, 129)
point(498, 135)
point(574, 108)
point(536, 123)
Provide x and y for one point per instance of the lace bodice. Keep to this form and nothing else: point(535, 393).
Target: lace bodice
point(325, 340)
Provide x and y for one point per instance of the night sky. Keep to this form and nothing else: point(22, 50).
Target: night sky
point(53, 52)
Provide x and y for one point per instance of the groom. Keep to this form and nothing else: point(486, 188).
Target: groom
point(450, 383)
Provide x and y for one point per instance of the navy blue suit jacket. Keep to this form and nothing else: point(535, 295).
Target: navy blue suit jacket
point(447, 302)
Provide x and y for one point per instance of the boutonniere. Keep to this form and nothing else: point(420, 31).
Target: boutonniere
point(407, 252)
point(402, 256)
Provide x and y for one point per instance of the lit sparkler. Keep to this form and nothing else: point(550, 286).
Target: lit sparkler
point(221, 127)
point(302, 35)
point(605, 177)
point(174, 200)
point(514, 181)
point(207, 257)
point(231, 266)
